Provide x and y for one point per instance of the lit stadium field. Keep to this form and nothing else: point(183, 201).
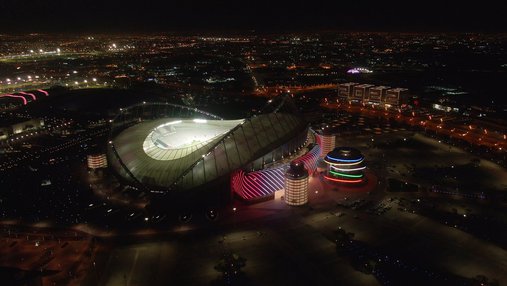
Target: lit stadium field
point(179, 138)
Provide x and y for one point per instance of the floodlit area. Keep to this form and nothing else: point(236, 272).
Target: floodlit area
point(178, 138)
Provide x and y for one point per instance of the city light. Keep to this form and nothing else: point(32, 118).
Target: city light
point(334, 145)
point(348, 170)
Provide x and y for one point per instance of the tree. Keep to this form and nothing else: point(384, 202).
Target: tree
point(342, 238)
point(230, 266)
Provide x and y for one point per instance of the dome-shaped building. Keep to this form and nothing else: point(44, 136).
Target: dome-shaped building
point(345, 165)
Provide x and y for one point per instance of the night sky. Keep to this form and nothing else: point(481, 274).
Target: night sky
point(243, 15)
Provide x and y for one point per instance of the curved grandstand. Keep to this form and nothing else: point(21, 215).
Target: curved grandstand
point(166, 147)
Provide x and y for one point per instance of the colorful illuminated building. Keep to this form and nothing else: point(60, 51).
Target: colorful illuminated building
point(296, 184)
point(327, 142)
point(96, 161)
point(345, 165)
point(173, 149)
point(262, 184)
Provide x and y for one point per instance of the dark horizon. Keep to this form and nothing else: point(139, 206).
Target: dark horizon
point(85, 16)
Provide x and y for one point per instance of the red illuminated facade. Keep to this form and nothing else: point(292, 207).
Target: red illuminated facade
point(96, 161)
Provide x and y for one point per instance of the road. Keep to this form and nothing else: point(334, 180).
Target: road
point(453, 128)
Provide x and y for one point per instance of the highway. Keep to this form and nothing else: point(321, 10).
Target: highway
point(453, 127)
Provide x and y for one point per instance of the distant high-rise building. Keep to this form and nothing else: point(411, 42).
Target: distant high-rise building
point(296, 184)
point(345, 90)
point(377, 93)
point(395, 96)
point(361, 92)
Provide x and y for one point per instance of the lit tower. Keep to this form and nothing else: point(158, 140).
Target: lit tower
point(296, 184)
point(327, 143)
point(345, 165)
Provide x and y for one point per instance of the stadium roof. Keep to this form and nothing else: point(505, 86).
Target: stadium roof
point(182, 153)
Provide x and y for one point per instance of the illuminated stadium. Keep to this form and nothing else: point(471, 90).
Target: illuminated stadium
point(173, 149)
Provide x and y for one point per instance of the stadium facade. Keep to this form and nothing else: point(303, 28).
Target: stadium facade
point(168, 148)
